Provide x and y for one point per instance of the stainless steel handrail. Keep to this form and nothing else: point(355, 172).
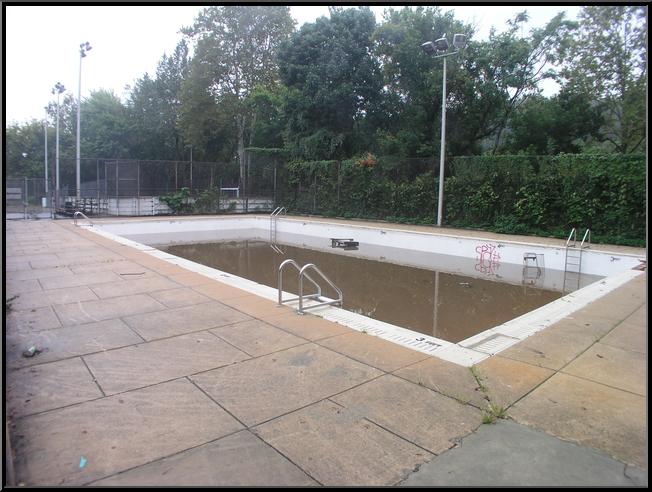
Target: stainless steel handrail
point(588, 232)
point(272, 222)
point(572, 233)
point(303, 273)
point(80, 213)
point(280, 282)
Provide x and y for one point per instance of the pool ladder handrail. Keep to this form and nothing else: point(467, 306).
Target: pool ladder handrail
point(76, 214)
point(303, 273)
point(575, 258)
point(272, 222)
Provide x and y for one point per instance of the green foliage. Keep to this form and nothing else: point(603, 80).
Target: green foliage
point(545, 195)
point(177, 201)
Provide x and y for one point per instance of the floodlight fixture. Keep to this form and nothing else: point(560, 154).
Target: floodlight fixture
point(459, 41)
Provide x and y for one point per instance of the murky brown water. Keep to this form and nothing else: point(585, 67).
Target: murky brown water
point(444, 305)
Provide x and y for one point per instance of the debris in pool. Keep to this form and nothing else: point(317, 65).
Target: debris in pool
point(31, 352)
point(344, 243)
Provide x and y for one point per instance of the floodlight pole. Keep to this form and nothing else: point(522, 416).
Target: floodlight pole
point(440, 201)
point(83, 48)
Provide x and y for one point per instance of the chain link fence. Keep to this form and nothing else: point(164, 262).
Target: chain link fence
point(130, 187)
point(28, 198)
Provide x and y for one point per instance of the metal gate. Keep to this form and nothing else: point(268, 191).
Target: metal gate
point(28, 198)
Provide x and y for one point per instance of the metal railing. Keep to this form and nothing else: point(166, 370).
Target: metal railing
point(77, 214)
point(272, 222)
point(303, 273)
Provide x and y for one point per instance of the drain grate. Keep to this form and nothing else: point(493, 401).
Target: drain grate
point(494, 344)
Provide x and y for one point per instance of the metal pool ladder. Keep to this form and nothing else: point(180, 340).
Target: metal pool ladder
point(573, 263)
point(303, 273)
point(272, 222)
point(78, 213)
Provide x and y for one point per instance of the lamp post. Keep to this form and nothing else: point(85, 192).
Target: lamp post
point(432, 47)
point(83, 48)
point(58, 90)
point(45, 127)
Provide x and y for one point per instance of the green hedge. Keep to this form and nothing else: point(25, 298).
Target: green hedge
point(542, 195)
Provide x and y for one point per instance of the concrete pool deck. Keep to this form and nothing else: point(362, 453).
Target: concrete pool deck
point(151, 375)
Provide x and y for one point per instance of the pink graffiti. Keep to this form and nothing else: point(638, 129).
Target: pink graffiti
point(488, 259)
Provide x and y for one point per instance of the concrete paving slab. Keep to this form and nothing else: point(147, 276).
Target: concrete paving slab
point(116, 433)
point(15, 287)
point(415, 413)
point(219, 291)
point(31, 300)
point(174, 298)
point(631, 336)
point(150, 363)
point(48, 386)
point(256, 306)
point(241, 459)
point(32, 320)
point(135, 286)
point(67, 342)
point(508, 380)
point(508, 454)
point(103, 309)
point(612, 366)
point(37, 273)
point(266, 387)
point(307, 326)
point(79, 279)
point(589, 413)
point(191, 279)
point(553, 347)
point(449, 379)
point(373, 351)
point(171, 322)
point(125, 268)
point(338, 447)
point(15, 263)
point(257, 338)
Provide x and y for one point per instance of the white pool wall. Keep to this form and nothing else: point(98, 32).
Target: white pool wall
point(466, 353)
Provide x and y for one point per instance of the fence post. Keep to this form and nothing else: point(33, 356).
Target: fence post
point(25, 200)
point(138, 188)
point(117, 187)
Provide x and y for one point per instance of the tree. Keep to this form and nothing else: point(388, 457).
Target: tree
point(607, 61)
point(564, 123)
point(105, 126)
point(236, 49)
point(154, 106)
point(333, 83)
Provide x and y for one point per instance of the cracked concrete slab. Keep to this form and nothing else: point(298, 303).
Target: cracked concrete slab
point(417, 414)
point(266, 387)
point(589, 413)
point(507, 454)
point(145, 364)
point(115, 433)
point(241, 459)
point(338, 447)
point(163, 323)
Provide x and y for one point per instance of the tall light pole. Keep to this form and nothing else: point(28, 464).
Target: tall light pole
point(83, 48)
point(441, 46)
point(58, 90)
point(45, 127)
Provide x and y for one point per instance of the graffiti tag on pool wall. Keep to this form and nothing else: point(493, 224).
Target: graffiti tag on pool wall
point(488, 258)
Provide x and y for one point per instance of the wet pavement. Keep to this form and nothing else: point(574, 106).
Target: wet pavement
point(151, 375)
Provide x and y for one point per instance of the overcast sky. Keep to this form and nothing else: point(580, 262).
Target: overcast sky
point(42, 44)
